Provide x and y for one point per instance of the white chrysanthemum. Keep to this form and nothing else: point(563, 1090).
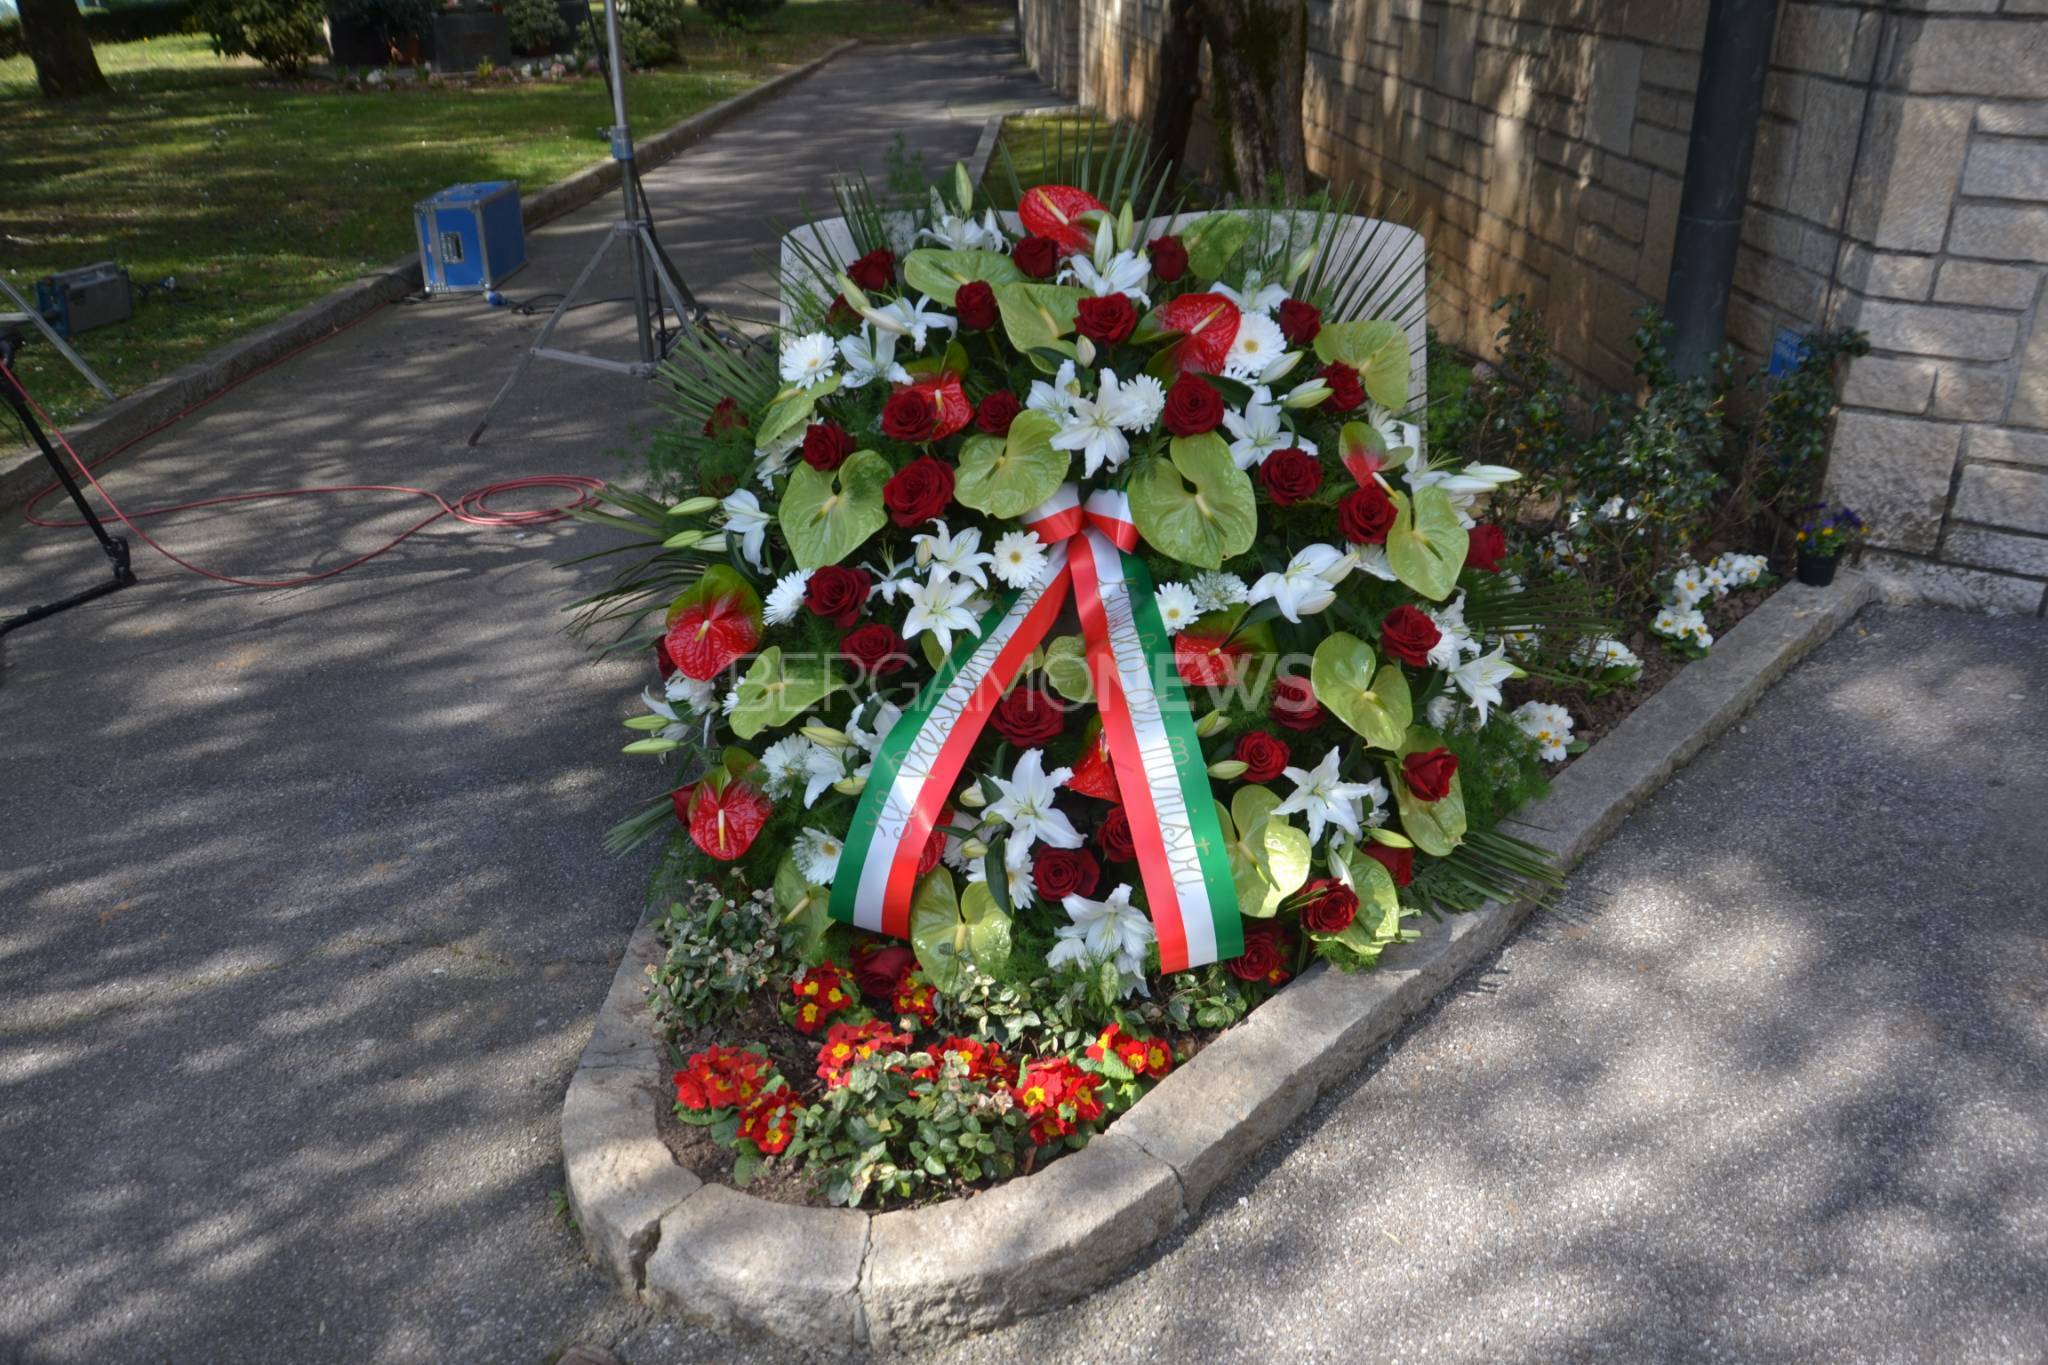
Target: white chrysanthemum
point(1216, 590)
point(808, 359)
point(782, 764)
point(1019, 558)
point(786, 598)
point(1177, 609)
point(1258, 343)
point(817, 856)
point(1442, 711)
point(1549, 724)
point(1145, 399)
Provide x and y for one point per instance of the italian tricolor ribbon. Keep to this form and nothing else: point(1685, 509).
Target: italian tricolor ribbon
point(1153, 748)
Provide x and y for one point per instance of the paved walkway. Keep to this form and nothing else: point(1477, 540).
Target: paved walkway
point(1770, 1085)
point(303, 914)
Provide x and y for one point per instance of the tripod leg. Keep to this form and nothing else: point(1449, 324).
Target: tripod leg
point(539, 342)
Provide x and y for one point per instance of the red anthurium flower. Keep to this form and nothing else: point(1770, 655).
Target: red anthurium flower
point(1055, 211)
point(724, 823)
point(712, 624)
point(1093, 775)
point(1206, 660)
point(1363, 450)
point(1207, 324)
point(948, 400)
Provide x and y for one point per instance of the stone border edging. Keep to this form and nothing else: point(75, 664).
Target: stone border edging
point(161, 400)
point(842, 1278)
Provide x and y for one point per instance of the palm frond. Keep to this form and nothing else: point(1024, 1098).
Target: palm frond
point(1487, 866)
point(1497, 606)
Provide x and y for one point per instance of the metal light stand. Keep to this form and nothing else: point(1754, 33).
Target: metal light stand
point(11, 392)
point(636, 227)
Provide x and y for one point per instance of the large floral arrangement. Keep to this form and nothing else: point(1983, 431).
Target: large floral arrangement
point(1073, 641)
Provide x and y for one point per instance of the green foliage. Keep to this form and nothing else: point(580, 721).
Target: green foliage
point(285, 35)
point(888, 1133)
point(395, 19)
point(739, 12)
point(719, 950)
point(536, 25)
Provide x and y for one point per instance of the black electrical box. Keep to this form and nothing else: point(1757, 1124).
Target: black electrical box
point(79, 300)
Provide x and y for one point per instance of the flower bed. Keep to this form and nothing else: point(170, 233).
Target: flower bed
point(1066, 641)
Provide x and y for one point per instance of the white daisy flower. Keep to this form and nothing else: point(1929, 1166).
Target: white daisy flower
point(1019, 558)
point(817, 856)
point(786, 598)
point(808, 359)
point(1258, 343)
point(783, 762)
point(1177, 609)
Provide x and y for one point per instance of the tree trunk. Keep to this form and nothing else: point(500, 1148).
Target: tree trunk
point(53, 31)
point(1179, 82)
point(1260, 52)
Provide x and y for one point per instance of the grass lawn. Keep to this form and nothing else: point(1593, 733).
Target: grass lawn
point(1039, 145)
point(259, 197)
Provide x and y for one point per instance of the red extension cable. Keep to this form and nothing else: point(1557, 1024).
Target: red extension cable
point(471, 507)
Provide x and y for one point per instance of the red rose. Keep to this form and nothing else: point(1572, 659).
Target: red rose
point(1059, 872)
point(1366, 514)
point(878, 965)
point(841, 313)
point(876, 648)
point(997, 411)
point(837, 592)
point(1484, 548)
point(1399, 861)
point(909, 416)
point(975, 303)
point(664, 662)
point(1107, 320)
point(1409, 635)
point(876, 270)
point(1346, 392)
point(1290, 476)
point(1169, 259)
point(1115, 836)
point(1429, 774)
point(826, 445)
point(919, 491)
point(1264, 756)
point(726, 416)
point(1029, 718)
point(1299, 322)
point(1192, 406)
point(1328, 906)
point(1264, 958)
point(1037, 257)
point(1294, 704)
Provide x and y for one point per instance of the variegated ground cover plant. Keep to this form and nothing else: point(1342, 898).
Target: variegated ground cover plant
point(1063, 640)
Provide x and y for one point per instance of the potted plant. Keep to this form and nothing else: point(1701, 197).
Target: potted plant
point(1823, 538)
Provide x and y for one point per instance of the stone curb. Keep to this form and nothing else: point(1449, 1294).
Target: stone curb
point(161, 401)
point(837, 1279)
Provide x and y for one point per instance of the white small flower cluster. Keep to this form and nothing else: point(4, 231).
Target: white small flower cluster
point(1549, 724)
point(1603, 653)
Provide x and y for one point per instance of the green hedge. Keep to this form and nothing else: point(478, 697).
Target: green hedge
point(121, 21)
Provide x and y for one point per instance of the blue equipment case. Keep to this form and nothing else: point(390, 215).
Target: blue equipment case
point(471, 236)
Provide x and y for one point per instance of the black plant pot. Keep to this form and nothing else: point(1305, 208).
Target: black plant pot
point(1817, 571)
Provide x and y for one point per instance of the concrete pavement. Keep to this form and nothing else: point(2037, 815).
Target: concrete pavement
point(303, 913)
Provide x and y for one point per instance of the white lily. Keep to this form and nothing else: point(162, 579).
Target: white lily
point(1016, 868)
point(1373, 559)
point(1454, 641)
point(1255, 296)
point(1480, 679)
point(870, 354)
point(1323, 796)
point(1057, 398)
point(1309, 582)
point(1096, 426)
point(677, 728)
point(892, 576)
point(963, 234)
point(1026, 804)
point(822, 768)
point(698, 694)
point(772, 459)
point(1257, 431)
point(745, 519)
point(905, 318)
point(1110, 930)
point(955, 552)
point(807, 360)
point(940, 605)
point(1109, 271)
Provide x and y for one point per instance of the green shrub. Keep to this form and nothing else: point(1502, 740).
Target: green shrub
point(285, 35)
point(536, 25)
point(388, 19)
point(739, 11)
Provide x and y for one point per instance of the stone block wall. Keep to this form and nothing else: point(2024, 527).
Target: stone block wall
point(1050, 34)
point(1900, 184)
